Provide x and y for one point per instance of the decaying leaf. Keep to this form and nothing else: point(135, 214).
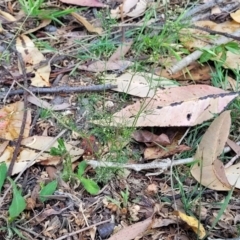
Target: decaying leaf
point(158, 152)
point(196, 226)
point(86, 24)
point(130, 8)
point(139, 84)
point(177, 106)
point(43, 104)
point(150, 138)
point(121, 51)
point(33, 59)
point(210, 147)
point(11, 116)
point(8, 16)
point(132, 231)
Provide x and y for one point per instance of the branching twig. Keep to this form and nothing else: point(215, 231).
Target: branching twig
point(63, 89)
point(157, 164)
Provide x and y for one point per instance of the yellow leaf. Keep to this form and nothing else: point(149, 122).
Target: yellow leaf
point(192, 222)
point(236, 16)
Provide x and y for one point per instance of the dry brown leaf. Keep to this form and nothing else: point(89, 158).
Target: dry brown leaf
point(177, 106)
point(121, 51)
point(150, 138)
point(8, 16)
point(43, 104)
point(210, 147)
point(162, 222)
point(194, 72)
point(219, 171)
point(32, 58)
point(132, 231)
point(87, 3)
point(139, 84)
point(196, 226)
point(158, 152)
point(44, 23)
point(130, 8)
point(87, 24)
point(11, 115)
point(101, 66)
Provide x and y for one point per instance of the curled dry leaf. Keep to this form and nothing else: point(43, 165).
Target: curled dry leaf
point(236, 16)
point(192, 222)
point(32, 57)
point(7, 16)
point(210, 147)
point(130, 8)
point(44, 23)
point(176, 106)
point(150, 138)
point(87, 24)
point(11, 117)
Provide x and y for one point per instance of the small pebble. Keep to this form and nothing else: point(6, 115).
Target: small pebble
point(50, 28)
point(105, 230)
point(108, 104)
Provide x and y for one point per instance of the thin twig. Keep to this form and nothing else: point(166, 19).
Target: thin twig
point(83, 229)
point(24, 119)
point(63, 89)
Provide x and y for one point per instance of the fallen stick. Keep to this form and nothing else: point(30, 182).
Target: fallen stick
point(61, 89)
point(163, 164)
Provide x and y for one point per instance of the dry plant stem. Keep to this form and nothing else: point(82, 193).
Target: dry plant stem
point(163, 164)
point(196, 54)
point(30, 231)
point(31, 162)
point(63, 89)
point(82, 230)
point(18, 144)
point(217, 32)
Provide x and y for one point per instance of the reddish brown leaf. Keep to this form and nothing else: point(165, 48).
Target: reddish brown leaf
point(151, 139)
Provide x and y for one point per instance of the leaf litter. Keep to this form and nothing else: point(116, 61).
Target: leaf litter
point(172, 128)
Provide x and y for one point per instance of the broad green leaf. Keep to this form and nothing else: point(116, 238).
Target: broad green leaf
point(18, 202)
point(47, 190)
point(90, 185)
point(3, 174)
point(81, 168)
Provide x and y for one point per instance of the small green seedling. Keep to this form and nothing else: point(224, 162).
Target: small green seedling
point(18, 202)
point(219, 53)
point(125, 197)
point(88, 184)
point(68, 174)
point(49, 189)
